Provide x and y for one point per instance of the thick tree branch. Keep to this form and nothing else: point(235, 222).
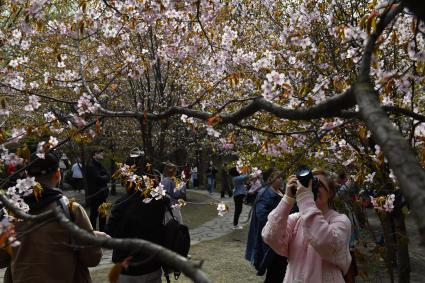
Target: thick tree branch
point(255, 129)
point(330, 108)
point(164, 255)
point(398, 152)
point(402, 160)
point(21, 214)
point(403, 111)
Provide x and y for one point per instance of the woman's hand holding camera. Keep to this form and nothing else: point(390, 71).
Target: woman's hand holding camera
point(294, 188)
point(291, 186)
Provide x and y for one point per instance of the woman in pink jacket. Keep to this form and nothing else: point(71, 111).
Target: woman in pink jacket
point(315, 240)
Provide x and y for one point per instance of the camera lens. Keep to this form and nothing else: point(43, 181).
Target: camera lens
point(303, 172)
point(304, 175)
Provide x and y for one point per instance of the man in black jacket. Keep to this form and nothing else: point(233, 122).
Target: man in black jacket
point(97, 183)
point(132, 218)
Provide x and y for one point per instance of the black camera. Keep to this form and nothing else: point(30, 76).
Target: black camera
point(304, 175)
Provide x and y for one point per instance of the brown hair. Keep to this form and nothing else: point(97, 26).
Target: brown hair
point(170, 170)
point(273, 175)
point(330, 183)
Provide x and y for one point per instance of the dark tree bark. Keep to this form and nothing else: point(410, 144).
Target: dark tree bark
point(390, 243)
point(403, 260)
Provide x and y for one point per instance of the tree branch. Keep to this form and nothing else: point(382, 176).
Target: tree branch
point(198, 19)
point(330, 108)
point(403, 111)
point(24, 92)
point(252, 128)
point(387, 17)
point(402, 160)
point(164, 255)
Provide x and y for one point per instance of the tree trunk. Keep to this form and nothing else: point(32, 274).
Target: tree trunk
point(203, 165)
point(390, 243)
point(403, 259)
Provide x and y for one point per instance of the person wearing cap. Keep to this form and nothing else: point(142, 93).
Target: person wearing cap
point(97, 183)
point(49, 253)
point(63, 166)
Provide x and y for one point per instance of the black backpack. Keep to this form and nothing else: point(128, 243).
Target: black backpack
point(177, 239)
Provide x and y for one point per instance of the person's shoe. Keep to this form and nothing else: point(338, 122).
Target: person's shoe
point(237, 227)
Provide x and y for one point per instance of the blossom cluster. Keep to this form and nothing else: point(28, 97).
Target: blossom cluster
point(222, 209)
point(10, 158)
point(7, 232)
point(23, 187)
point(275, 85)
point(383, 203)
point(33, 104)
point(143, 183)
point(43, 147)
point(85, 104)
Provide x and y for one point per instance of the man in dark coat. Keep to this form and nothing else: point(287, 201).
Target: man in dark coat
point(97, 183)
point(132, 218)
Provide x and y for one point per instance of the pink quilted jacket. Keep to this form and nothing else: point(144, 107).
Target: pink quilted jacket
point(317, 245)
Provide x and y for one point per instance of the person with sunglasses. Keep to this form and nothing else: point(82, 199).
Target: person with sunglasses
point(315, 240)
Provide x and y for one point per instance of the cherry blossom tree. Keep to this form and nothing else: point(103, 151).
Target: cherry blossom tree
point(324, 80)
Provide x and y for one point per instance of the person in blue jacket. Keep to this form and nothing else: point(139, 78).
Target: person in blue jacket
point(175, 193)
point(239, 193)
point(261, 256)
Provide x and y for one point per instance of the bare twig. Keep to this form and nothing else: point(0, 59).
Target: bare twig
point(198, 19)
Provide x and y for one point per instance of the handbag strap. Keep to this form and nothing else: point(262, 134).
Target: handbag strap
point(63, 202)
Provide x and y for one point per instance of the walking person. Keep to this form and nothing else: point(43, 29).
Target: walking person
point(261, 256)
point(194, 177)
point(211, 173)
point(132, 218)
point(77, 176)
point(63, 166)
point(315, 240)
point(49, 253)
point(97, 183)
point(239, 194)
